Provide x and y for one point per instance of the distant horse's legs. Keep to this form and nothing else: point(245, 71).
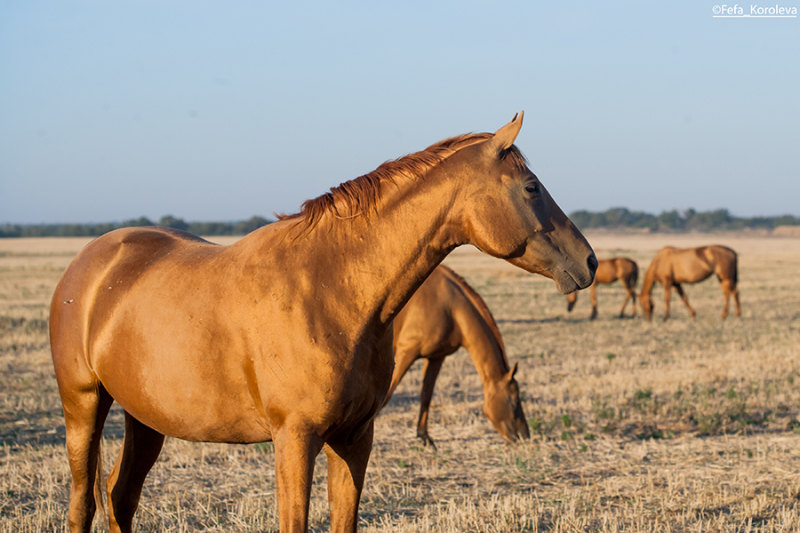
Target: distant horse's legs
point(571, 299)
point(139, 452)
point(729, 288)
point(684, 298)
point(296, 448)
point(432, 368)
point(347, 465)
point(84, 415)
point(593, 292)
point(667, 288)
point(629, 295)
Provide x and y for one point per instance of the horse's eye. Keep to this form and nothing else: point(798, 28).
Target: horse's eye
point(532, 188)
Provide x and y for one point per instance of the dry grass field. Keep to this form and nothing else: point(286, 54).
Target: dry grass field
point(636, 426)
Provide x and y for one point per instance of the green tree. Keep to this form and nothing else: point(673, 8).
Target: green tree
point(169, 221)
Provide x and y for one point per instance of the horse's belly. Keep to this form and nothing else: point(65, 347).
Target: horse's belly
point(691, 274)
point(188, 403)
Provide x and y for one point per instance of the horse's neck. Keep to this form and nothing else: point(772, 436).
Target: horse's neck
point(650, 277)
point(484, 347)
point(377, 260)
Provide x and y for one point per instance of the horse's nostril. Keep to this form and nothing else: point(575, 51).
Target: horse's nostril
point(592, 262)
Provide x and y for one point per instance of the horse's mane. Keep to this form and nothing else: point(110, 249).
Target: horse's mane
point(360, 196)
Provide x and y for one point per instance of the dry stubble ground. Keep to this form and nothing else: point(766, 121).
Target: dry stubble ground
point(677, 426)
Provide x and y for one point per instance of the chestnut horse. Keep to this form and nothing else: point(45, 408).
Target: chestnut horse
point(443, 315)
point(673, 266)
point(608, 271)
point(286, 334)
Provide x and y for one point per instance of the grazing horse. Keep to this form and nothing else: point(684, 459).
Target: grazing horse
point(609, 271)
point(285, 335)
point(673, 266)
point(444, 314)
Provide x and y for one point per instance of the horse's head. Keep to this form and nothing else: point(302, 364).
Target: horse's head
point(509, 214)
point(571, 299)
point(503, 407)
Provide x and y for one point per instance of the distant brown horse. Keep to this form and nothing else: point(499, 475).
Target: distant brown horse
point(444, 314)
point(673, 266)
point(286, 334)
point(609, 271)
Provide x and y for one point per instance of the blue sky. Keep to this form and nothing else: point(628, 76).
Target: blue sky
point(223, 110)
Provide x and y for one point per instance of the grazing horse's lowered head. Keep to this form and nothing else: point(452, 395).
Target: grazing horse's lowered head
point(442, 316)
point(502, 405)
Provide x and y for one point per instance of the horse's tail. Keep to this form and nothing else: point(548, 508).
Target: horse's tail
point(634, 279)
point(735, 270)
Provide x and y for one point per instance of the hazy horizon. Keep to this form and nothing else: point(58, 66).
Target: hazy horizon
point(272, 217)
point(216, 112)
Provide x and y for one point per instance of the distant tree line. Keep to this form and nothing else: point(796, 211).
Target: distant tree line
point(688, 220)
point(241, 227)
point(617, 217)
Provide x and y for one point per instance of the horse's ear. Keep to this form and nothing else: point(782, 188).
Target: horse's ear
point(513, 371)
point(504, 137)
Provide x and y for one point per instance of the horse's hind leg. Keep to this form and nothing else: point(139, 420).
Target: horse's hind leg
point(625, 304)
point(729, 288)
point(593, 292)
point(629, 295)
point(85, 413)
point(684, 298)
point(139, 452)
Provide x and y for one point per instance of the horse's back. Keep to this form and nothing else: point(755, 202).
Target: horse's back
point(607, 271)
point(119, 254)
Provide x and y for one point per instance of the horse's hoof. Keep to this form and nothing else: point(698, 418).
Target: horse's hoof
point(427, 441)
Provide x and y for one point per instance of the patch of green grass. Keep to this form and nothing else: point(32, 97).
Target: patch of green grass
point(264, 447)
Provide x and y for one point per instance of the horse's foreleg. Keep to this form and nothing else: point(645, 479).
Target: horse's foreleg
point(593, 293)
point(572, 298)
point(684, 298)
point(432, 368)
point(347, 465)
point(139, 452)
point(85, 413)
point(295, 451)
point(402, 361)
point(667, 288)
